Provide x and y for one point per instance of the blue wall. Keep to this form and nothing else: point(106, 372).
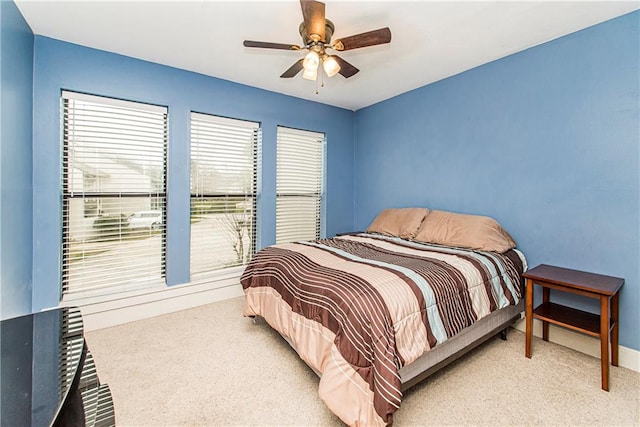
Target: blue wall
point(16, 82)
point(60, 65)
point(546, 141)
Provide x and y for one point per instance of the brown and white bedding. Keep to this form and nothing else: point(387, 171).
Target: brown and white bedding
point(360, 307)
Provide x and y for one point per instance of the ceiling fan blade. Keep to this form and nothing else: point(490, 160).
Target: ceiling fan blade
point(293, 70)
point(314, 19)
point(347, 70)
point(267, 45)
point(370, 38)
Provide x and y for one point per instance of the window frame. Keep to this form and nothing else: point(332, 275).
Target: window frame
point(308, 137)
point(198, 118)
point(68, 291)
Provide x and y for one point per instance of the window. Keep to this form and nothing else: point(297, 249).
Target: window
point(299, 184)
point(224, 162)
point(113, 172)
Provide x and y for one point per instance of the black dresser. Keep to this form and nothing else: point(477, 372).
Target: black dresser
point(48, 376)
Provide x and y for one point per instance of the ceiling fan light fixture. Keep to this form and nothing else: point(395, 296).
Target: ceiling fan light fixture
point(310, 74)
point(311, 61)
point(330, 65)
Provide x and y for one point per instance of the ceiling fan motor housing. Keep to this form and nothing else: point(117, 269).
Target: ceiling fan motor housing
point(308, 39)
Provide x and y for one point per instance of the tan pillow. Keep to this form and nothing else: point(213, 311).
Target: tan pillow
point(464, 231)
point(401, 222)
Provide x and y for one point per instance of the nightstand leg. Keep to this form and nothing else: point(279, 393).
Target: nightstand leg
point(545, 325)
point(604, 340)
point(614, 331)
point(529, 318)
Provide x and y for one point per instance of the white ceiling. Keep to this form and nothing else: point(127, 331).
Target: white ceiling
point(431, 40)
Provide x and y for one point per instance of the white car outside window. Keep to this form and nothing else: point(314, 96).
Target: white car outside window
point(145, 219)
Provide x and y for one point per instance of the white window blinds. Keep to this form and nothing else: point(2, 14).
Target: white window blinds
point(299, 184)
point(114, 200)
point(224, 162)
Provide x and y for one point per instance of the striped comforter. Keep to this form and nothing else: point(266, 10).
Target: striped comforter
point(358, 308)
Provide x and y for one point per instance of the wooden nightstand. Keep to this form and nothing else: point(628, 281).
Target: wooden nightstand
point(603, 326)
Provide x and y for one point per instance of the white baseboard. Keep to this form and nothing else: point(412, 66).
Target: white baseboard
point(627, 357)
point(144, 305)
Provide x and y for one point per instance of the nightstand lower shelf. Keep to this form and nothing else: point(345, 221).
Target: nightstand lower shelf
point(568, 317)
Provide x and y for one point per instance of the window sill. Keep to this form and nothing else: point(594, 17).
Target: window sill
point(109, 310)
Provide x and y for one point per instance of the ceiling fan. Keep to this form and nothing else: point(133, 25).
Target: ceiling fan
point(316, 32)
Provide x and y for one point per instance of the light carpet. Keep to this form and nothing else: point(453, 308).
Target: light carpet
point(211, 366)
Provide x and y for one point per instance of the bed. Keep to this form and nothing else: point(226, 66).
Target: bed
point(374, 313)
